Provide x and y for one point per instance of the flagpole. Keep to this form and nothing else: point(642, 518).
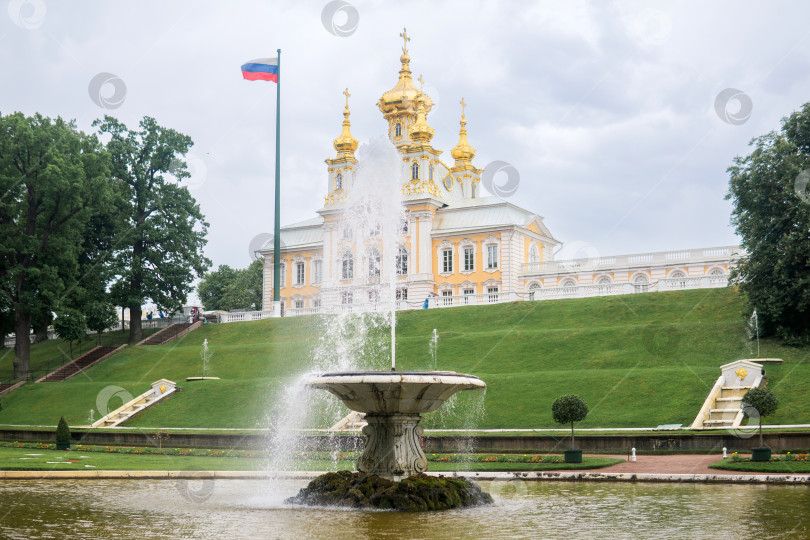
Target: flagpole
point(277, 233)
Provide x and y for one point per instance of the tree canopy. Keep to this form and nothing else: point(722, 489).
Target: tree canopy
point(569, 409)
point(771, 195)
point(227, 288)
point(53, 179)
point(160, 250)
point(763, 401)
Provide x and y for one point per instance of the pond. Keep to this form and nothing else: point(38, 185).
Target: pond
point(523, 509)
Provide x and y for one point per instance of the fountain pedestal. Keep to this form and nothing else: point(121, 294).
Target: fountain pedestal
point(393, 449)
point(394, 402)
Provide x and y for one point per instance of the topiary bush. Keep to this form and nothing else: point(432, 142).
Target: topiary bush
point(763, 401)
point(62, 435)
point(569, 409)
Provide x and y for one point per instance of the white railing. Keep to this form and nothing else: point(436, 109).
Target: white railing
point(241, 316)
point(661, 258)
point(479, 299)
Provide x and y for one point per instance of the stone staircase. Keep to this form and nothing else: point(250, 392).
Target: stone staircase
point(723, 406)
point(173, 331)
point(90, 358)
point(160, 390)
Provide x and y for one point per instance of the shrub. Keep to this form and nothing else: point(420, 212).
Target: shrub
point(62, 435)
point(569, 409)
point(763, 401)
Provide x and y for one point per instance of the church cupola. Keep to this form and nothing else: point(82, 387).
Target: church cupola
point(463, 153)
point(346, 144)
point(400, 104)
point(342, 166)
point(421, 132)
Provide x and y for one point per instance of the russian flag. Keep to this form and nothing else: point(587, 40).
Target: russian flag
point(261, 69)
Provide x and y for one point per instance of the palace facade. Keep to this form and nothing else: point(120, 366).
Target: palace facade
point(456, 247)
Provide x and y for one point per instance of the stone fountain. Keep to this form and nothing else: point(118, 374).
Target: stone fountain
point(393, 402)
point(390, 469)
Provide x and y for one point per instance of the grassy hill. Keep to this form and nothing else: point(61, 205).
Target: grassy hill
point(637, 360)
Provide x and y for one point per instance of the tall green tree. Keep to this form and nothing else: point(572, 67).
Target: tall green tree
point(227, 288)
point(52, 180)
point(160, 250)
point(771, 198)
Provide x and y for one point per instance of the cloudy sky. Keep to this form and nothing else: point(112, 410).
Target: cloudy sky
point(609, 111)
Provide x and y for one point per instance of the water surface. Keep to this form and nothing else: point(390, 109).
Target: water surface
point(255, 509)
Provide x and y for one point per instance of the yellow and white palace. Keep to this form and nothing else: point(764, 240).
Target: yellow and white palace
point(459, 248)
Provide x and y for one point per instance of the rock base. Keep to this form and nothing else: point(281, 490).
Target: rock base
point(416, 493)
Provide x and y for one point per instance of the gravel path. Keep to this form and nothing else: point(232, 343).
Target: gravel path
point(669, 464)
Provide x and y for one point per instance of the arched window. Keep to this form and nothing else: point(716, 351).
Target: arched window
point(473, 190)
point(534, 255)
point(374, 263)
point(339, 181)
point(569, 283)
point(604, 280)
point(641, 283)
point(347, 266)
point(415, 171)
point(402, 261)
point(532, 288)
point(398, 130)
point(430, 172)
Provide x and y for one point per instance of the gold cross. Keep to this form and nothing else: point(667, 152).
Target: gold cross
point(405, 39)
point(462, 106)
point(421, 82)
point(348, 95)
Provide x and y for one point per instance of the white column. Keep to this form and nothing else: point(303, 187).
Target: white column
point(425, 244)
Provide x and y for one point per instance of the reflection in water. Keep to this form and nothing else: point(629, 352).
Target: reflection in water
point(248, 509)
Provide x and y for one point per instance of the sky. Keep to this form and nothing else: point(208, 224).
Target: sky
point(620, 118)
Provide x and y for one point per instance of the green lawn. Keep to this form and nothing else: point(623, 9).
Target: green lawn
point(776, 467)
point(30, 459)
point(637, 360)
point(54, 353)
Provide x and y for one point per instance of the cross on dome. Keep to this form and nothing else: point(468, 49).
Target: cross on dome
point(405, 39)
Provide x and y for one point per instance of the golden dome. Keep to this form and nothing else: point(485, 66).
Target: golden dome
point(402, 97)
point(463, 152)
point(420, 130)
point(346, 144)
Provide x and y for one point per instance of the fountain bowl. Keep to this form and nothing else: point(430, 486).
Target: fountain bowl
point(394, 392)
point(393, 402)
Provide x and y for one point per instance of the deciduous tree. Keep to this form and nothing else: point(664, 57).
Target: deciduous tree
point(770, 190)
point(160, 250)
point(52, 180)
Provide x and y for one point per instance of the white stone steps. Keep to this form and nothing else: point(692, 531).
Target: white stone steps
point(159, 390)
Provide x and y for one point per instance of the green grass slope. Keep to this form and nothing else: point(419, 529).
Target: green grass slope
point(637, 360)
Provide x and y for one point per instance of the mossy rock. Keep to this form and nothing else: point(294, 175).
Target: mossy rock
point(416, 493)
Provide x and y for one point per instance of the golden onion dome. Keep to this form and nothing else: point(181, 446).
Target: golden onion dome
point(402, 97)
point(463, 152)
point(420, 130)
point(346, 144)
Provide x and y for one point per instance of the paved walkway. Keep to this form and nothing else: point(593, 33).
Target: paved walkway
point(668, 464)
